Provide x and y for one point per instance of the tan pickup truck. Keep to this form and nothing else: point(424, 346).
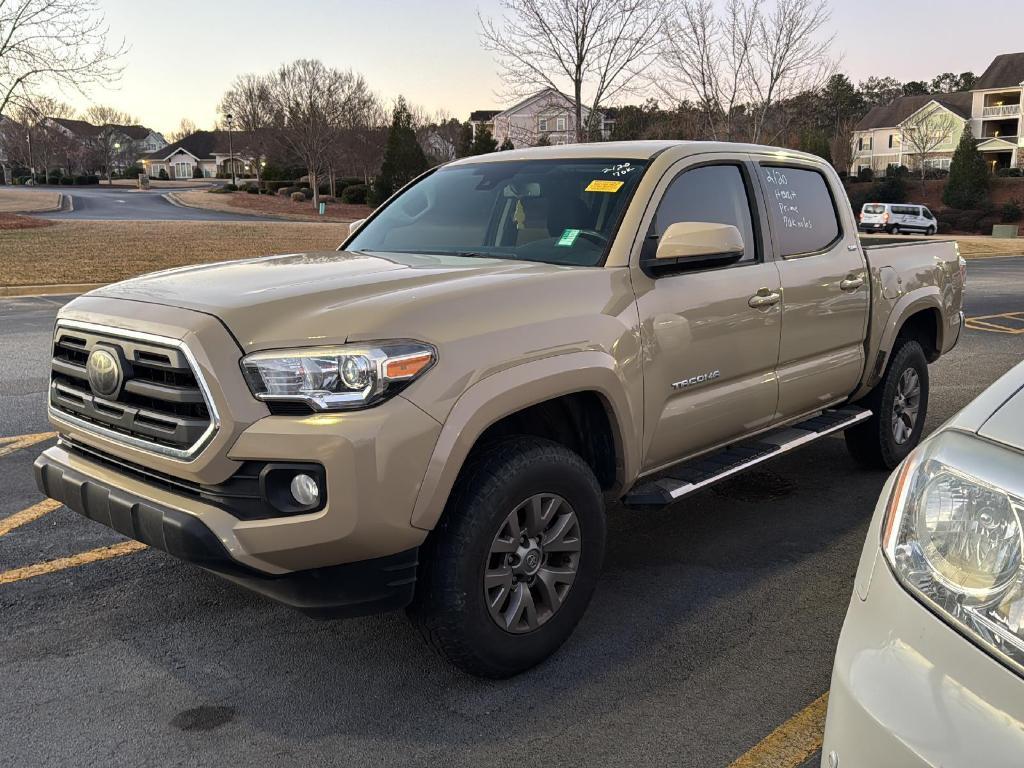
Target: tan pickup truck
point(435, 415)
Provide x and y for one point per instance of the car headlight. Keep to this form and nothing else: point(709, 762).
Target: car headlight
point(953, 537)
point(337, 378)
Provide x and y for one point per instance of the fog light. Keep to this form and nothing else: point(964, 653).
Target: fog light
point(305, 491)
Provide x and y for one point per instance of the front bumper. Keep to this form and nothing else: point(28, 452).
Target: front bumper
point(353, 589)
point(909, 691)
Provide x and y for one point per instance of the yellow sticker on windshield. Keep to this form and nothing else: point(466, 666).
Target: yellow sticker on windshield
point(600, 185)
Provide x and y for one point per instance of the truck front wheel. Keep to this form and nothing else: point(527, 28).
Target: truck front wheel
point(899, 404)
point(512, 565)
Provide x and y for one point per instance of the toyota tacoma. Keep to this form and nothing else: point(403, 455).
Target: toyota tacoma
point(434, 416)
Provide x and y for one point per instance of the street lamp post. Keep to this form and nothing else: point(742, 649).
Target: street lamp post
point(110, 171)
point(231, 151)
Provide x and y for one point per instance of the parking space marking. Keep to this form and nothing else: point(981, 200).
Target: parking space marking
point(64, 563)
point(34, 512)
point(9, 445)
point(1005, 322)
point(791, 743)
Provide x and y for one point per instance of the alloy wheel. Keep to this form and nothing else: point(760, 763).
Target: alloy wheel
point(906, 406)
point(532, 563)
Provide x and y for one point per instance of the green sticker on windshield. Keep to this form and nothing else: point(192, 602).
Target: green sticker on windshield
point(568, 237)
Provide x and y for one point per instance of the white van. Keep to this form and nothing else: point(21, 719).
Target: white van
point(896, 217)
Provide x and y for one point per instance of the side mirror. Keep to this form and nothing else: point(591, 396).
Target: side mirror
point(354, 226)
point(700, 240)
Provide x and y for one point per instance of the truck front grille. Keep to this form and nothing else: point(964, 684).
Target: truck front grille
point(159, 404)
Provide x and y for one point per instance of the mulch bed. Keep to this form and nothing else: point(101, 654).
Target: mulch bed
point(14, 221)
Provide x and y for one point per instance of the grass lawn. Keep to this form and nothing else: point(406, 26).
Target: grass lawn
point(24, 200)
point(271, 205)
point(106, 251)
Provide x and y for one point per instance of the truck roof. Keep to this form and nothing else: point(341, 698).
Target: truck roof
point(630, 150)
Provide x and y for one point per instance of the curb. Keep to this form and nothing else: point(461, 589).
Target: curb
point(20, 291)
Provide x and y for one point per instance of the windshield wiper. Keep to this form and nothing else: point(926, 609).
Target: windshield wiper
point(482, 255)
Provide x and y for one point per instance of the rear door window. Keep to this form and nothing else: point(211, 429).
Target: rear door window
point(801, 208)
point(874, 210)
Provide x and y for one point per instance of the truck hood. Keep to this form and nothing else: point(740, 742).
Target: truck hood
point(334, 296)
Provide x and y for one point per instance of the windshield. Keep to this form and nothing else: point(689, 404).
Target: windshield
point(555, 211)
point(869, 208)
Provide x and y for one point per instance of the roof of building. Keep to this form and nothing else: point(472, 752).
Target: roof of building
point(203, 144)
point(85, 130)
point(1005, 71)
point(892, 114)
point(482, 115)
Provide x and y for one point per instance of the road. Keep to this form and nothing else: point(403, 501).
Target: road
point(126, 204)
point(714, 622)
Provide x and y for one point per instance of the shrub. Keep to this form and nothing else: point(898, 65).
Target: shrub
point(67, 181)
point(936, 173)
point(230, 187)
point(306, 192)
point(969, 221)
point(1009, 173)
point(968, 183)
point(1011, 212)
point(133, 172)
point(354, 194)
point(866, 174)
point(298, 197)
point(252, 189)
point(287, 191)
point(163, 174)
point(92, 179)
point(81, 180)
point(53, 179)
point(891, 189)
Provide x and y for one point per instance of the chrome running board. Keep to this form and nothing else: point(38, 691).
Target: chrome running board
point(691, 476)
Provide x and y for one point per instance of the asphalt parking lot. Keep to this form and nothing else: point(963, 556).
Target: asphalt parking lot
point(715, 620)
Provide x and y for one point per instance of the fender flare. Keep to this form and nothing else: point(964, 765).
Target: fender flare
point(505, 392)
point(924, 298)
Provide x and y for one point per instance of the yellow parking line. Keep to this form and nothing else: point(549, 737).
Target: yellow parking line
point(791, 743)
point(34, 512)
point(63, 563)
point(9, 445)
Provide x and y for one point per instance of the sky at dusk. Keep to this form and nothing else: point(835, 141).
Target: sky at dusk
point(183, 55)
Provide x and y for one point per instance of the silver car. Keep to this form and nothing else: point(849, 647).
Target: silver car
point(930, 661)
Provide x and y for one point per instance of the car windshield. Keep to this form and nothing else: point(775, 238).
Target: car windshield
point(874, 209)
point(554, 211)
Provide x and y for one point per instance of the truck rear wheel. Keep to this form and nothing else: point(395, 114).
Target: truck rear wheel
point(899, 405)
point(511, 567)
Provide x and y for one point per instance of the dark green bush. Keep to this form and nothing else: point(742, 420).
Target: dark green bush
point(298, 197)
point(81, 180)
point(133, 172)
point(163, 174)
point(1011, 212)
point(354, 194)
point(866, 174)
point(67, 181)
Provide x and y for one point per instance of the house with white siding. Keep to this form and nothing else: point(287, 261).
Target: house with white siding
point(211, 152)
point(548, 113)
point(992, 109)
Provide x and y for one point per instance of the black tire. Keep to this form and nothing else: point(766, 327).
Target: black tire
point(930, 231)
point(894, 230)
point(873, 443)
point(450, 609)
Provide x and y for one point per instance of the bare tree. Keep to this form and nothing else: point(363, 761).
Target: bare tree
point(110, 146)
point(746, 62)
point(841, 145)
point(58, 42)
point(924, 132)
point(711, 59)
point(309, 104)
point(31, 138)
point(185, 128)
point(596, 49)
point(791, 56)
point(250, 101)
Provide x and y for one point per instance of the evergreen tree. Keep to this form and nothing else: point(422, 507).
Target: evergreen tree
point(483, 143)
point(403, 156)
point(463, 146)
point(967, 187)
point(816, 143)
point(506, 144)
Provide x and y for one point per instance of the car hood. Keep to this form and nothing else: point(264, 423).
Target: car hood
point(997, 413)
point(338, 296)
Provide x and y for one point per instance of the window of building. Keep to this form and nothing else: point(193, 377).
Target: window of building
point(716, 194)
point(542, 124)
point(560, 124)
point(890, 140)
point(803, 214)
point(860, 143)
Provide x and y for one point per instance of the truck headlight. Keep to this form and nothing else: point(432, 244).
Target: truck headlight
point(953, 537)
point(337, 378)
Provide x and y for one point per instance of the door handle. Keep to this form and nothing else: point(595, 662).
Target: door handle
point(851, 284)
point(764, 298)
